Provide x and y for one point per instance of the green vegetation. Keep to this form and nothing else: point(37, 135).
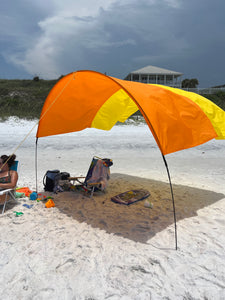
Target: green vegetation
point(218, 99)
point(25, 98)
point(190, 83)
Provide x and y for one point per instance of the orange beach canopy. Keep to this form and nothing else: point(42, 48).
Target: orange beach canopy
point(86, 99)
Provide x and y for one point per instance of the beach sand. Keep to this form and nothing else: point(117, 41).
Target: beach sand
point(93, 248)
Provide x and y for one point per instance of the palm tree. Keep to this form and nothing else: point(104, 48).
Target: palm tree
point(190, 83)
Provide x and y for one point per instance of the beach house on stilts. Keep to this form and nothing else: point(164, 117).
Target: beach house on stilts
point(155, 75)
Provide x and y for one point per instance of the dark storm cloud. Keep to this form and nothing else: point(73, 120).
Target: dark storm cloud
point(115, 37)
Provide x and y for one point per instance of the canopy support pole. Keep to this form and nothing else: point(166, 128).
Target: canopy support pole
point(36, 164)
point(171, 190)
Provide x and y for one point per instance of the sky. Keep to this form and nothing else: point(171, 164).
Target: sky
point(54, 37)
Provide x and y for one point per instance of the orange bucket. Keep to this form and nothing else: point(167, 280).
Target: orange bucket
point(50, 203)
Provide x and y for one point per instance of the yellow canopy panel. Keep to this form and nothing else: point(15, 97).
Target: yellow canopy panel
point(177, 119)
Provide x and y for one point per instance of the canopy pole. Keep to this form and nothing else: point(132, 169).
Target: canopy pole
point(36, 164)
point(171, 190)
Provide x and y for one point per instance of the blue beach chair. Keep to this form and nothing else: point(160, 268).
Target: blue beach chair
point(97, 176)
point(9, 193)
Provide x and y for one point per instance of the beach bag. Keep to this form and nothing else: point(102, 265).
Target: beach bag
point(62, 182)
point(49, 180)
point(64, 175)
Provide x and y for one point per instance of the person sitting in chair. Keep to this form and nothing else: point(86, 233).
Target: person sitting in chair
point(8, 178)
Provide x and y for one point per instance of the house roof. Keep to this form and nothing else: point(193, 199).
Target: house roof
point(155, 70)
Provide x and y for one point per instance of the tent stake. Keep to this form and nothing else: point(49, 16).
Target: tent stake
point(171, 190)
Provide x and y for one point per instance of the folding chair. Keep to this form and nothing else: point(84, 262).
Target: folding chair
point(97, 176)
point(9, 193)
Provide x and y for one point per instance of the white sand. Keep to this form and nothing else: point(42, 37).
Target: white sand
point(95, 249)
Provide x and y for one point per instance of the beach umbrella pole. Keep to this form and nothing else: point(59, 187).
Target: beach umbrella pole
point(36, 164)
point(172, 195)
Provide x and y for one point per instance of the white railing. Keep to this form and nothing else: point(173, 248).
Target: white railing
point(200, 91)
point(205, 90)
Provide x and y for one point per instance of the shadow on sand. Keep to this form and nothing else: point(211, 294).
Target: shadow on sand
point(135, 222)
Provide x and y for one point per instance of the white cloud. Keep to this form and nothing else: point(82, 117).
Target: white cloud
point(84, 8)
point(51, 38)
point(173, 3)
point(70, 24)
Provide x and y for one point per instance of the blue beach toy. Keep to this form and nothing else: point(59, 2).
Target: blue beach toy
point(33, 196)
point(28, 206)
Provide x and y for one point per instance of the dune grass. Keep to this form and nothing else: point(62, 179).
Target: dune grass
point(25, 98)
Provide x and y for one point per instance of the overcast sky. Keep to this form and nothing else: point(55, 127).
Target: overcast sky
point(50, 38)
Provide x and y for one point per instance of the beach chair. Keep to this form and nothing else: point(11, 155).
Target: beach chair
point(97, 176)
point(9, 193)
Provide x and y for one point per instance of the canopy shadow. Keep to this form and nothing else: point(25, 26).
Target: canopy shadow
point(135, 222)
